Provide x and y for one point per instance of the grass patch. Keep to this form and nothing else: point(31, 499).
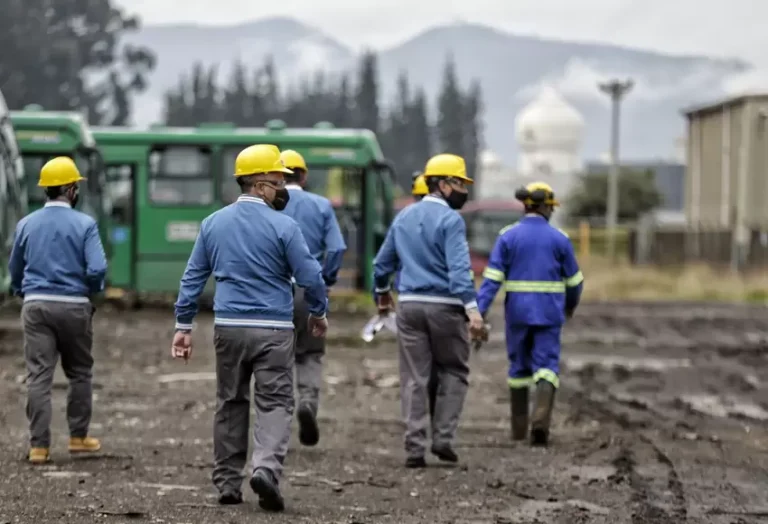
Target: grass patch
point(622, 281)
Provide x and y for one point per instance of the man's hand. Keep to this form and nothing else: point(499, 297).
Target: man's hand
point(476, 324)
point(385, 303)
point(318, 326)
point(182, 345)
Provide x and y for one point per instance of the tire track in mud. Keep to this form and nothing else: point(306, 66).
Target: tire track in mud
point(634, 443)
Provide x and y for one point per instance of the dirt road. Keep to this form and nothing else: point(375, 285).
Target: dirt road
point(661, 418)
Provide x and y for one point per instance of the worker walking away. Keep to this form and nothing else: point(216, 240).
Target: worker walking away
point(427, 242)
point(57, 262)
point(535, 263)
point(317, 220)
point(419, 191)
point(252, 250)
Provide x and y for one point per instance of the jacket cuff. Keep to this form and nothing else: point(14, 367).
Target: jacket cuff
point(471, 305)
point(184, 324)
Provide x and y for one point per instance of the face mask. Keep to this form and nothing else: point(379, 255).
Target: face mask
point(456, 200)
point(282, 196)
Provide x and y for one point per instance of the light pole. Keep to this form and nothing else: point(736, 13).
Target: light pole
point(616, 89)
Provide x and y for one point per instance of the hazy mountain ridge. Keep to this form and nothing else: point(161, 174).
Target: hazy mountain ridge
point(509, 66)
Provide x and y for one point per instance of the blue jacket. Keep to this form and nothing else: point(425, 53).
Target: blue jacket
point(427, 242)
point(57, 255)
point(537, 266)
point(320, 228)
point(252, 252)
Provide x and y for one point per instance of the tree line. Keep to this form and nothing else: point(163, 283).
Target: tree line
point(408, 136)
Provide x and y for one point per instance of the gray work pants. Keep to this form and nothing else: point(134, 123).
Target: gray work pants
point(53, 329)
point(432, 336)
point(309, 355)
point(267, 356)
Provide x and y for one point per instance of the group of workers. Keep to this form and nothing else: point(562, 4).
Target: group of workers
point(274, 254)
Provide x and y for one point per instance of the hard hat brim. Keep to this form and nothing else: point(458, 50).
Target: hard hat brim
point(81, 179)
point(466, 180)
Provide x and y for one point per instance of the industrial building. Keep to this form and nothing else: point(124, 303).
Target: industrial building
point(727, 157)
point(727, 178)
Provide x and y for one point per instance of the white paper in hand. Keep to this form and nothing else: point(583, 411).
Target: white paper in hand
point(377, 323)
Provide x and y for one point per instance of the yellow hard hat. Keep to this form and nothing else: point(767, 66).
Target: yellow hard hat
point(419, 186)
point(59, 171)
point(449, 166)
point(537, 193)
point(258, 159)
point(293, 160)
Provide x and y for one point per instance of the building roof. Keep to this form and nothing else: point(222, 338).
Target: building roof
point(719, 103)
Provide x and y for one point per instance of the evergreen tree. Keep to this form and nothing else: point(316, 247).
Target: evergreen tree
point(366, 99)
point(419, 131)
point(342, 114)
point(237, 106)
point(450, 120)
point(473, 106)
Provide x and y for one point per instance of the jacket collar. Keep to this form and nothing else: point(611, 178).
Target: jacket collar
point(436, 200)
point(296, 187)
point(253, 199)
point(57, 203)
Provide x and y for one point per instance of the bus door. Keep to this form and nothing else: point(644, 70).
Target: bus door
point(174, 198)
point(121, 180)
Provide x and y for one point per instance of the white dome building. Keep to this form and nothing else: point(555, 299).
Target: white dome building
point(495, 180)
point(550, 133)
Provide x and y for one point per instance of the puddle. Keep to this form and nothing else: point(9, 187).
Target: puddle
point(66, 474)
point(658, 365)
point(715, 406)
point(586, 473)
point(186, 377)
point(536, 509)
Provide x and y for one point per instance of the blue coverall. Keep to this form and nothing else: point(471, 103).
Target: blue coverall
point(535, 263)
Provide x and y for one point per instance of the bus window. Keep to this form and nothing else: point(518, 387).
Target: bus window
point(180, 176)
point(227, 184)
point(120, 188)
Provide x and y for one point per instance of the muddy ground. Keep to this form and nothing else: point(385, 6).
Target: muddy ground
point(661, 418)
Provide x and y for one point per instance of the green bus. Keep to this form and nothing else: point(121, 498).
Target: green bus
point(164, 181)
point(42, 135)
point(13, 200)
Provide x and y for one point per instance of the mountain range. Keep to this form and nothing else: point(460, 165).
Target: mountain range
point(510, 67)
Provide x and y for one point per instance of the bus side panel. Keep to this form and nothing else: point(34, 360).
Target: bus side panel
point(166, 234)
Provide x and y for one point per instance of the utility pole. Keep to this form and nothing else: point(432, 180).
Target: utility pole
point(616, 89)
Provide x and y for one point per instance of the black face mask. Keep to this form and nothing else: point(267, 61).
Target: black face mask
point(456, 200)
point(282, 196)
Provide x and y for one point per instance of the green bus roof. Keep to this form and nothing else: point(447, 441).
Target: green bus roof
point(358, 145)
point(51, 130)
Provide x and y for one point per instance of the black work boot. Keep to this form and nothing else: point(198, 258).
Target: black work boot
point(518, 402)
point(227, 498)
point(445, 453)
point(415, 463)
point(542, 415)
point(309, 433)
point(264, 484)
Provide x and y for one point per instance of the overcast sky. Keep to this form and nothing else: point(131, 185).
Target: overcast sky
point(713, 27)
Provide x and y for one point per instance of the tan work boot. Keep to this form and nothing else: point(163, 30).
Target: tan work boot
point(84, 445)
point(518, 401)
point(542, 415)
point(39, 455)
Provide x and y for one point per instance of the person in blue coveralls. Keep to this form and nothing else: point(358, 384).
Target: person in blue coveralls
point(535, 263)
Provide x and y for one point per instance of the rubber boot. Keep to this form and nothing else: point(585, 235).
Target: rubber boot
point(518, 401)
point(542, 415)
